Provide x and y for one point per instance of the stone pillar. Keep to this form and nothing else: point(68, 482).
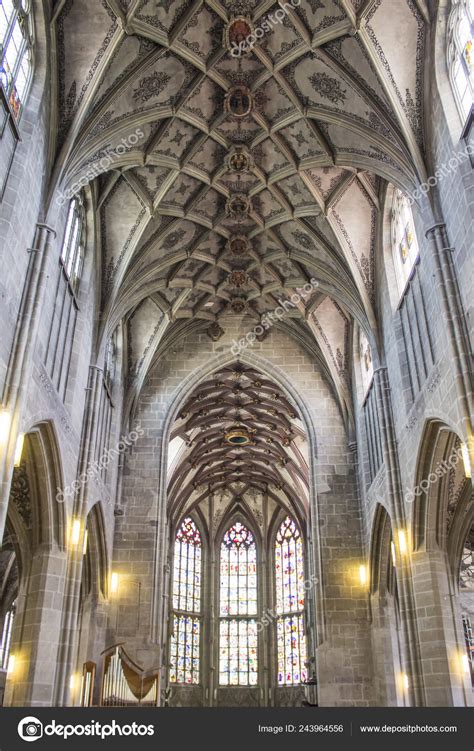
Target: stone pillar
point(36, 631)
point(453, 312)
point(68, 640)
point(19, 368)
point(411, 657)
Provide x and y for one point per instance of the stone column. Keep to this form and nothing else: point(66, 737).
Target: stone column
point(36, 631)
point(411, 646)
point(20, 365)
point(68, 640)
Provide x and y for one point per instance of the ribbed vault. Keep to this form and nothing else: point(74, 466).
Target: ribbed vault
point(269, 454)
point(335, 95)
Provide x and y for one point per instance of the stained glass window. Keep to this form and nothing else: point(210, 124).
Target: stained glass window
point(366, 363)
point(72, 247)
point(186, 622)
point(16, 39)
point(461, 54)
point(290, 602)
point(238, 648)
point(404, 241)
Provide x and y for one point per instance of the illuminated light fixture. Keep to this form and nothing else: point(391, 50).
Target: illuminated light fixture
point(86, 537)
point(72, 682)
point(406, 682)
point(11, 664)
point(394, 553)
point(466, 665)
point(19, 449)
point(363, 575)
point(466, 460)
point(114, 582)
point(75, 532)
point(402, 542)
point(4, 425)
point(238, 436)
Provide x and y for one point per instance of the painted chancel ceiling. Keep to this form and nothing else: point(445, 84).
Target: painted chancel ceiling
point(335, 110)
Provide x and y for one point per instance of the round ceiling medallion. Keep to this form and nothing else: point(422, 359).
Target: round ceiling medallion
point(239, 160)
point(238, 206)
point(238, 305)
point(239, 245)
point(238, 436)
point(238, 278)
point(236, 35)
point(239, 101)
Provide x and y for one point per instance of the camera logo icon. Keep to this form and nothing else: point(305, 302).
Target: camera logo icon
point(30, 729)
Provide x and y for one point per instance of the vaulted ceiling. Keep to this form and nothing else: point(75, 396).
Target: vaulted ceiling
point(335, 94)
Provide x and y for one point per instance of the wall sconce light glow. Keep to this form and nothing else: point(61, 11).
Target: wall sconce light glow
point(72, 682)
point(466, 665)
point(86, 537)
point(19, 449)
point(4, 425)
point(466, 460)
point(114, 581)
point(363, 575)
point(11, 665)
point(75, 532)
point(406, 682)
point(394, 554)
point(402, 542)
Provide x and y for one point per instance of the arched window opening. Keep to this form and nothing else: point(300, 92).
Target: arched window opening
point(290, 603)
point(238, 639)
point(6, 641)
point(16, 34)
point(405, 247)
point(186, 616)
point(461, 55)
point(466, 588)
point(72, 251)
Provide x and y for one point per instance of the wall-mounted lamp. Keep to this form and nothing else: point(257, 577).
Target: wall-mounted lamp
point(11, 664)
point(19, 449)
point(114, 582)
point(406, 682)
point(402, 542)
point(5, 419)
point(72, 682)
point(466, 665)
point(466, 460)
point(394, 553)
point(75, 532)
point(363, 575)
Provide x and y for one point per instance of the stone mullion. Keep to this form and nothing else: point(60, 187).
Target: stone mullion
point(67, 647)
point(412, 655)
point(19, 368)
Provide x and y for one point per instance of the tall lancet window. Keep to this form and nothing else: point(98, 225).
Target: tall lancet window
point(461, 54)
point(238, 659)
point(186, 616)
point(290, 601)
